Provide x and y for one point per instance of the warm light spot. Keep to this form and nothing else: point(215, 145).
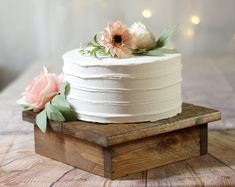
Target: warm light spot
point(195, 20)
point(147, 13)
point(189, 32)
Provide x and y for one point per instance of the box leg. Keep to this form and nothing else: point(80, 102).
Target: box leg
point(203, 139)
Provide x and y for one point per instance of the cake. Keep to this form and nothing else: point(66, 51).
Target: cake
point(113, 90)
point(124, 75)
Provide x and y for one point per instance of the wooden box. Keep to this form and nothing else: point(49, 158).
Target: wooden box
point(117, 150)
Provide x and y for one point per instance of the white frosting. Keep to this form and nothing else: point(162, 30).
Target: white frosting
point(128, 90)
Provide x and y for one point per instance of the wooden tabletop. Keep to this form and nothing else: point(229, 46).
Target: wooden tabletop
point(20, 166)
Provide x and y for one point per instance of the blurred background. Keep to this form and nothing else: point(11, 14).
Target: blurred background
point(32, 30)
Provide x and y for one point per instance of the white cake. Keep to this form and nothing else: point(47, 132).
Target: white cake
point(112, 90)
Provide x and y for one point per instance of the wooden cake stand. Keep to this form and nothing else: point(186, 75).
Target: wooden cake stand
point(117, 150)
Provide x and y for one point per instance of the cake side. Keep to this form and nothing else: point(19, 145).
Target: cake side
point(124, 90)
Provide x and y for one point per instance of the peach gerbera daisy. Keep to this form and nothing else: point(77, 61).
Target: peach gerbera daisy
point(117, 39)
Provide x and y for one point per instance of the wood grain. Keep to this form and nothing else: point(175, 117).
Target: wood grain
point(201, 171)
point(79, 178)
point(112, 134)
point(222, 147)
point(155, 151)
point(85, 155)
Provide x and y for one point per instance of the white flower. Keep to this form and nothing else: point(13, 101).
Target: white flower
point(144, 39)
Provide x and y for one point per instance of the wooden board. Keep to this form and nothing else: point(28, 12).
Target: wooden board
point(151, 152)
point(112, 134)
point(122, 159)
point(78, 153)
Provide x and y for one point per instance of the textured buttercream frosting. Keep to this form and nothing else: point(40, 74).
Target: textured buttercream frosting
point(112, 90)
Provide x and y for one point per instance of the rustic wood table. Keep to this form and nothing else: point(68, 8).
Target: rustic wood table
point(20, 166)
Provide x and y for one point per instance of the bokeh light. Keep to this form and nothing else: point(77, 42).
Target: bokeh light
point(195, 20)
point(147, 13)
point(189, 32)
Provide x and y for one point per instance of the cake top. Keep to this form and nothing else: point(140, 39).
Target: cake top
point(86, 60)
point(119, 41)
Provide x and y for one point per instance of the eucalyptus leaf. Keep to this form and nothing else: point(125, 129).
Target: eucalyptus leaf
point(138, 51)
point(41, 120)
point(60, 101)
point(68, 113)
point(54, 113)
point(27, 107)
point(94, 41)
point(65, 88)
point(168, 51)
point(165, 36)
point(101, 52)
point(154, 52)
point(64, 107)
point(94, 51)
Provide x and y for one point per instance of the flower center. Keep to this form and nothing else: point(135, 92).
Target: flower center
point(117, 39)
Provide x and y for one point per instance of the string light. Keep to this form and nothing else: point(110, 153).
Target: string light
point(147, 13)
point(195, 20)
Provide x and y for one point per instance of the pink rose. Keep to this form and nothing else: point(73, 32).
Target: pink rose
point(41, 90)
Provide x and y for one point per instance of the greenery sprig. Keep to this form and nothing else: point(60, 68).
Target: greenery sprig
point(58, 109)
point(160, 43)
point(94, 49)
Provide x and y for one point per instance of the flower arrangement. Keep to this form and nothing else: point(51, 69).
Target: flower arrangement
point(116, 40)
point(46, 96)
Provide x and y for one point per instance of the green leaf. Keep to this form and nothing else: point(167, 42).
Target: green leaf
point(94, 41)
point(154, 53)
point(94, 51)
point(68, 113)
point(65, 88)
point(60, 101)
point(64, 107)
point(53, 113)
point(27, 107)
point(101, 52)
point(138, 51)
point(165, 36)
point(41, 120)
point(168, 51)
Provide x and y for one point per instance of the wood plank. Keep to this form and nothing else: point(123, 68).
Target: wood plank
point(22, 167)
point(85, 155)
point(155, 151)
point(112, 134)
point(81, 178)
point(222, 146)
point(200, 171)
